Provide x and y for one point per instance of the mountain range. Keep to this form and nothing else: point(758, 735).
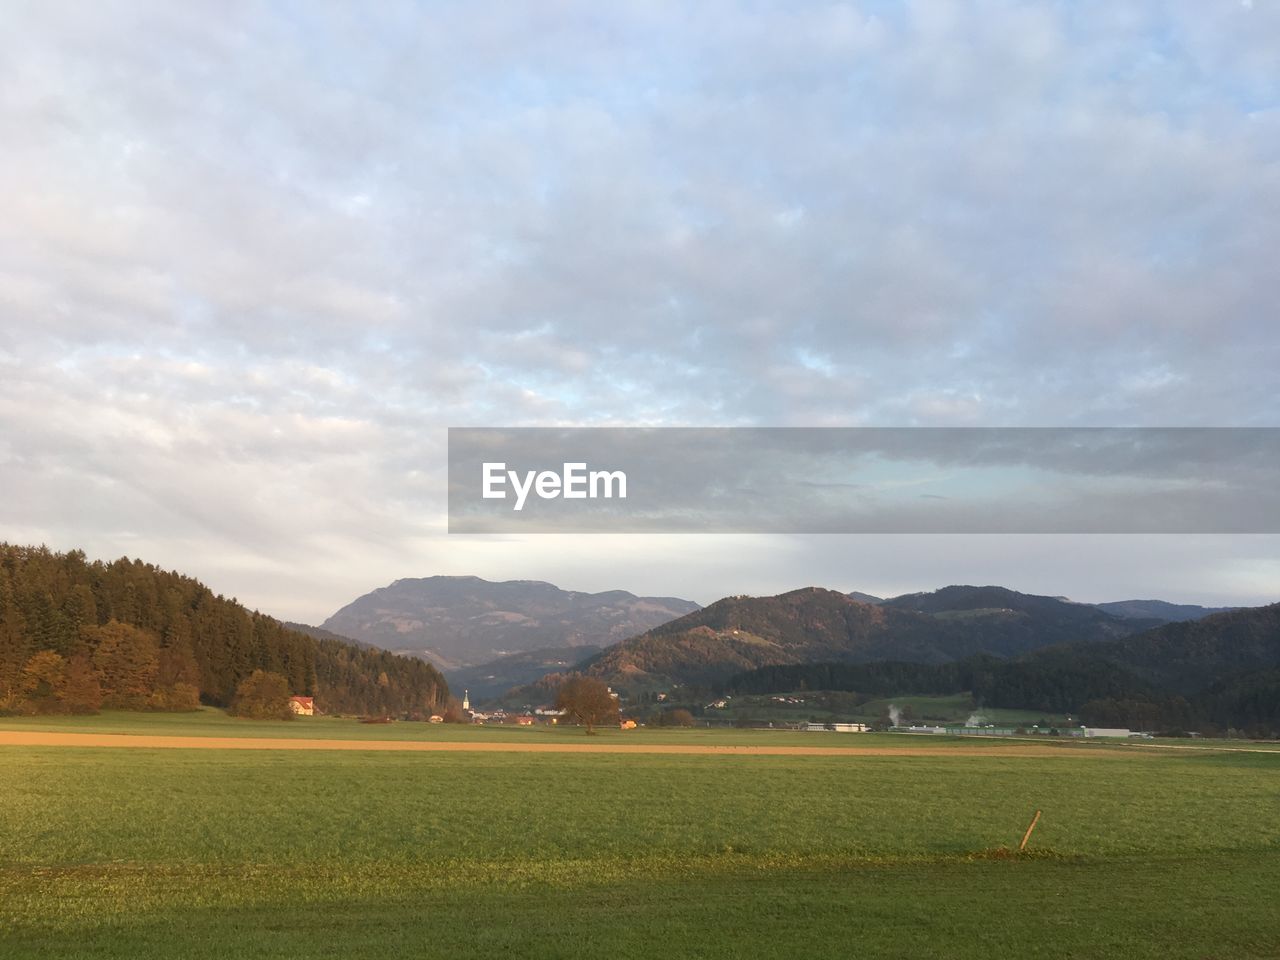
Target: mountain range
point(489, 636)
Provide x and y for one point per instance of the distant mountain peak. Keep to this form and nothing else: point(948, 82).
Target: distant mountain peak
point(460, 621)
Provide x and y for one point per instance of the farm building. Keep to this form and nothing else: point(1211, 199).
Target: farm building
point(838, 727)
point(302, 706)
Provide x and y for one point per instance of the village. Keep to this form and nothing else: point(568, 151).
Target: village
point(975, 726)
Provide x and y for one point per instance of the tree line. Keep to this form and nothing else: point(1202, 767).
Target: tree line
point(77, 635)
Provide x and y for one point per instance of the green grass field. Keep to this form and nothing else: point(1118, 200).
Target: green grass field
point(219, 853)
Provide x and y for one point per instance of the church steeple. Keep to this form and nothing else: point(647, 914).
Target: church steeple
point(466, 699)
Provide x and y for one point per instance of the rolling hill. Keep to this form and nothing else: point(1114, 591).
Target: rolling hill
point(1189, 656)
point(812, 624)
point(1054, 619)
point(1219, 671)
point(1159, 610)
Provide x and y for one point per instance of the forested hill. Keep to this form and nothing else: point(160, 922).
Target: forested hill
point(1187, 656)
point(811, 625)
point(141, 633)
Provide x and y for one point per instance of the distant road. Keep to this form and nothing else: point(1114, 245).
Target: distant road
point(38, 738)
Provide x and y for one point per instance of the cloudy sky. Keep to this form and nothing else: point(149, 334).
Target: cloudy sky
point(255, 258)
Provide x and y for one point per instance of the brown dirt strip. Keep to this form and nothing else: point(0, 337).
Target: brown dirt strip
point(35, 738)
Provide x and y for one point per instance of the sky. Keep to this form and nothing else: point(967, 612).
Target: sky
point(256, 258)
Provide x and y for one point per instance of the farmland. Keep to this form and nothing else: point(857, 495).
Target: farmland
point(211, 853)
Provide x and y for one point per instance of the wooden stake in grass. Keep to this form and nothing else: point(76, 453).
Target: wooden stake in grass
point(1027, 836)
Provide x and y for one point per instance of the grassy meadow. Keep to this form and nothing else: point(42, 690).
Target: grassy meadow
point(218, 853)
